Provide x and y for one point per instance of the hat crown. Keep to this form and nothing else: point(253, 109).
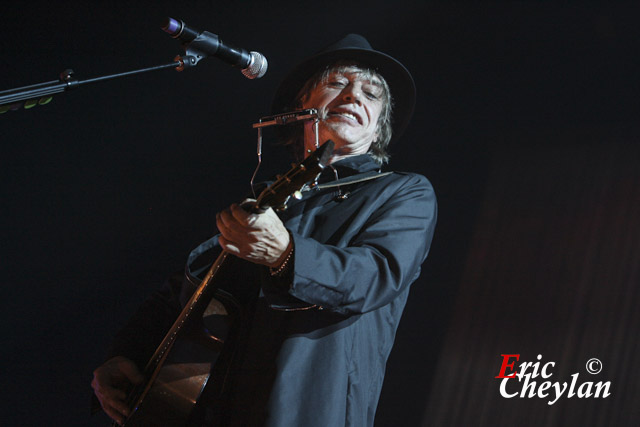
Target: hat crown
point(350, 41)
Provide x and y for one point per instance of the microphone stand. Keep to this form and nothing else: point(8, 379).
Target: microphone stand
point(41, 93)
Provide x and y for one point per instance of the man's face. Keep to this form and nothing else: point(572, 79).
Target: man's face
point(349, 105)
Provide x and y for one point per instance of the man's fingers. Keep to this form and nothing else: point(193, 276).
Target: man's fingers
point(243, 217)
point(228, 246)
point(130, 370)
point(236, 220)
point(121, 407)
point(114, 414)
point(228, 222)
point(232, 231)
point(109, 382)
point(109, 394)
point(112, 402)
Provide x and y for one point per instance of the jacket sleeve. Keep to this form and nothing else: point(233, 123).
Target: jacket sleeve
point(381, 260)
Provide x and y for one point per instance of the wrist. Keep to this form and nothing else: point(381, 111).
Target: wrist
point(283, 262)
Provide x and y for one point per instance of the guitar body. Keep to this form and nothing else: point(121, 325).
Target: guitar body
point(177, 383)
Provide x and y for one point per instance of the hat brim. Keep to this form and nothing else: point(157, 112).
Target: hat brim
point(398, 78)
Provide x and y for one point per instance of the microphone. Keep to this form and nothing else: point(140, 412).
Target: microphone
point(253, 65)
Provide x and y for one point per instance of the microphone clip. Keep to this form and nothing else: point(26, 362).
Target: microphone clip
point(196, 50)
point(202, 44)
point(201, 47)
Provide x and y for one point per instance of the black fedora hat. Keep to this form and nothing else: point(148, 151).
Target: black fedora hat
point(357, 48)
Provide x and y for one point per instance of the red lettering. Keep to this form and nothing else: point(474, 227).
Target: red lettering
point(505, 365)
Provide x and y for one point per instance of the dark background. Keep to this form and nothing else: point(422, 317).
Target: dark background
point(526, 124)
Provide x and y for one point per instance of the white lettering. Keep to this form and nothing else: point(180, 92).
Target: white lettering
point(585, 393)
point(544, 369)
point(528, 386)
point(600, 386)
point(545, 385)
point(503, 389)
point(559, 392)
point(536, 366)
point(574, 379)
point(523, 369)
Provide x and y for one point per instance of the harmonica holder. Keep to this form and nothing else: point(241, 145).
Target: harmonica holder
point(279, 120)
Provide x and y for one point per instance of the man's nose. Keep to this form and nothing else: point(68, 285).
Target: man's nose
point(351, 93)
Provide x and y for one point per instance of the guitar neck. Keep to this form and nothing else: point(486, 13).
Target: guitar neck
point(194, 305)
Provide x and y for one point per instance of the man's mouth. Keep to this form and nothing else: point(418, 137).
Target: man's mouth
point(346, 114)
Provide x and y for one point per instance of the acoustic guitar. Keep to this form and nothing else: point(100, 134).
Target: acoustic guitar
point(181, 366)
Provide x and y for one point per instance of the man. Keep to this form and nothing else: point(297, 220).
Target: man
point(321, 285)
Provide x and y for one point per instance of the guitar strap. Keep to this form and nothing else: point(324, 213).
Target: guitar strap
point(340, 184)
point(354, 179)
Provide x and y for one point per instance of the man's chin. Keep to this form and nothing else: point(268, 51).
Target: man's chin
point(338, 135)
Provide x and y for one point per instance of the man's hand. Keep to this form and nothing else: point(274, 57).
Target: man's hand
point(259, 238)
point(110, 382)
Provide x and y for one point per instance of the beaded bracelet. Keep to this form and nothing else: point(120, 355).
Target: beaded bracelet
point(284, 264)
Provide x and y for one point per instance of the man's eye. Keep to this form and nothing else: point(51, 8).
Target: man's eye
point(371, 95)
point(337, 83)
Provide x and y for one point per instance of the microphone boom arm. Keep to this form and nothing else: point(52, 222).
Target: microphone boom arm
point(41, 93)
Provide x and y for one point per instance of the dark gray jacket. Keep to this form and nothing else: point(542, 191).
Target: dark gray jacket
point(312, 345)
